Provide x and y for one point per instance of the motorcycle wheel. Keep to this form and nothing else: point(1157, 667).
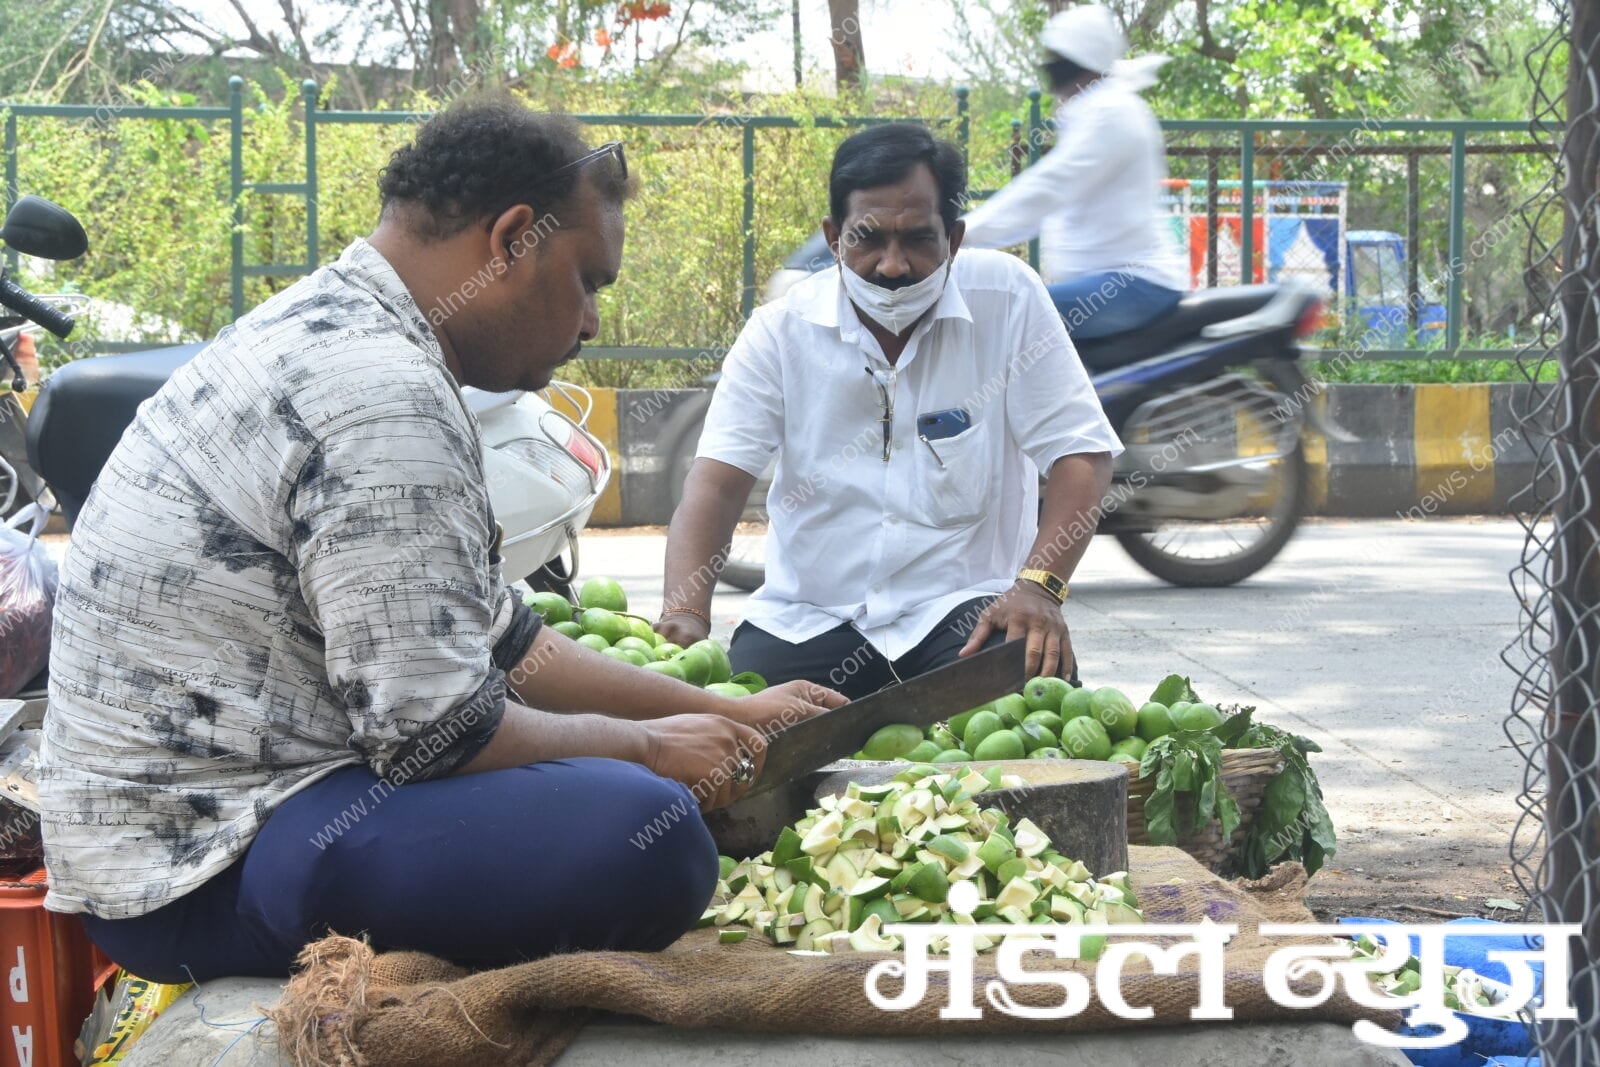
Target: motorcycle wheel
point(1160, 551)
point(15, 474)
point(746, 566)
point(744, 574)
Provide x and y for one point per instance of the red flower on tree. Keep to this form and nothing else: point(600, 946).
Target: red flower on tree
point(642, 10)
point(565, 55)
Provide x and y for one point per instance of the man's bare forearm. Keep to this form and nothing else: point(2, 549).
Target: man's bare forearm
point(558, 674)
point(528, 736)
point(714, 496)
point(1072, 509)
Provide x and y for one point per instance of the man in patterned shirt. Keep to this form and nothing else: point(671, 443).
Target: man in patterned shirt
point(289, 690)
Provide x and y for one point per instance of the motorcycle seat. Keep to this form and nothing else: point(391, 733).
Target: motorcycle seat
point(82, 410)
point(1194, 312)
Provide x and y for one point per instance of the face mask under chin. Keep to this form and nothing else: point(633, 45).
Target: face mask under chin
point(894, 309)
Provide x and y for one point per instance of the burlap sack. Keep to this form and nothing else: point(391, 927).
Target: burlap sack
point(350, 1007)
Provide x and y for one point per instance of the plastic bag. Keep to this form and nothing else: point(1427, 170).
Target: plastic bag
point(27, 599)
point(122, 1016)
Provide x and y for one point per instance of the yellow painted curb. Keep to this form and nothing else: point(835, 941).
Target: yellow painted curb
point(1254, 440)
point(603, 424)
point(1316, 450)
point(1454, 451)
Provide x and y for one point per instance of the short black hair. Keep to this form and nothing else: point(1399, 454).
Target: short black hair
point(485, 154)
point(883, 155)
point(1062, 71)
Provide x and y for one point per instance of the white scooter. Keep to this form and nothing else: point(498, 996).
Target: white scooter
point(545, 470)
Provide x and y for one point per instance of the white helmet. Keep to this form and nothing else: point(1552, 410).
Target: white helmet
point(1088, 35)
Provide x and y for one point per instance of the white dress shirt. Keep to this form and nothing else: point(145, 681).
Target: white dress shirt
point(893, 546)
point(1094, 199)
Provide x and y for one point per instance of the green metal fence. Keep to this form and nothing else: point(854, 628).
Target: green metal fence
point(1233, 153)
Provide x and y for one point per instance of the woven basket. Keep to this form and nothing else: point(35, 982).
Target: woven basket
point(1246, 772)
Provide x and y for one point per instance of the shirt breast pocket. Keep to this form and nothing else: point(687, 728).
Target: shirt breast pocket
point(953, 478)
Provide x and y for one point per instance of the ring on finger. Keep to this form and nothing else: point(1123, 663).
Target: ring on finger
point(744, 771)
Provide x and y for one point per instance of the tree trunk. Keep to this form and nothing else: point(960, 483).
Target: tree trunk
point(849, 54)
point(799, 55)
point(456, 40)
point(1058, 6)
point(441, 46)
point(472, 35)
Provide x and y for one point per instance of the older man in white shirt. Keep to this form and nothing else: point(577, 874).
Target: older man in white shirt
point(1093, 200)
point(911, 397)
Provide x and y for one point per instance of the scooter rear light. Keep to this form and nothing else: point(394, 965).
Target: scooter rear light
point(1311, 320)
point(583, 450)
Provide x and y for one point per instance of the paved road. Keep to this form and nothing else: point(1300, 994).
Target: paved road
point(1380, 640)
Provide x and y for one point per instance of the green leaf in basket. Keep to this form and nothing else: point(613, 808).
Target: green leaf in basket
point(1183, 771)
point(1321, 841)
point(1160, 810)
point(1186, 761)
point(1227, 811)
point(1284, 800)
point(1258, 736)
point(1234, 727)
point(1153, 756)
point(1205, 804)
point(1173, 688)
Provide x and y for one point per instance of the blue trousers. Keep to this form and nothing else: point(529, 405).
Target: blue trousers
point(481, 869)
point(1132, 302)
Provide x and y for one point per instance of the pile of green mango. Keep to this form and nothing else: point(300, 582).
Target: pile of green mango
point(1049, 719)
point(601, 622)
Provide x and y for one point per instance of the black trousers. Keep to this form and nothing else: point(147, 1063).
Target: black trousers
point(844, 660)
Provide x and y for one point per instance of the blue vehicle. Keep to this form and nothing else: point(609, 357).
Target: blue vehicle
point(1375, 278)
point(1299, 232)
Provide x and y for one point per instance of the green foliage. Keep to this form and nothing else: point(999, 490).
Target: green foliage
point(1173, 688)
point(1290, 58)
point(81, 51)
point(154, 197)
point(1430, 370)
point(1186, 762)
point(1292, 822)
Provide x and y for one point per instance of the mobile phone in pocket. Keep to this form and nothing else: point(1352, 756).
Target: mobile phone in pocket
point(939, 425)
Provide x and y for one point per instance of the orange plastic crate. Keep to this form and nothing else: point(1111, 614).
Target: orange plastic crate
point(51, 972)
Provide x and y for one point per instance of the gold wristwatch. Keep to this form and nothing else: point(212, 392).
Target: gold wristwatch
point(1053, 585)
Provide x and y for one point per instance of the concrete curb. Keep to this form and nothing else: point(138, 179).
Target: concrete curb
point(1420, 450)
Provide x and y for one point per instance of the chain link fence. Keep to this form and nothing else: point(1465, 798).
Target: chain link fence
point(1555, 712)
point(1397, 226)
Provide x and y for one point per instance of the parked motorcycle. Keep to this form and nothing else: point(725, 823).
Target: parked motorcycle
point(545, 470)
point(1210, 402)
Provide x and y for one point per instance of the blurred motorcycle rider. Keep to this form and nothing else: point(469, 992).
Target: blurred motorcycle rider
point(1094, 200)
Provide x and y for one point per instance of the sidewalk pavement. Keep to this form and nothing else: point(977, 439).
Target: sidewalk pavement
point(230, 1035)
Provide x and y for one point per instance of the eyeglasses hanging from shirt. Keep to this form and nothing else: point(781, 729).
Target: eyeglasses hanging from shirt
point(886, 398)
